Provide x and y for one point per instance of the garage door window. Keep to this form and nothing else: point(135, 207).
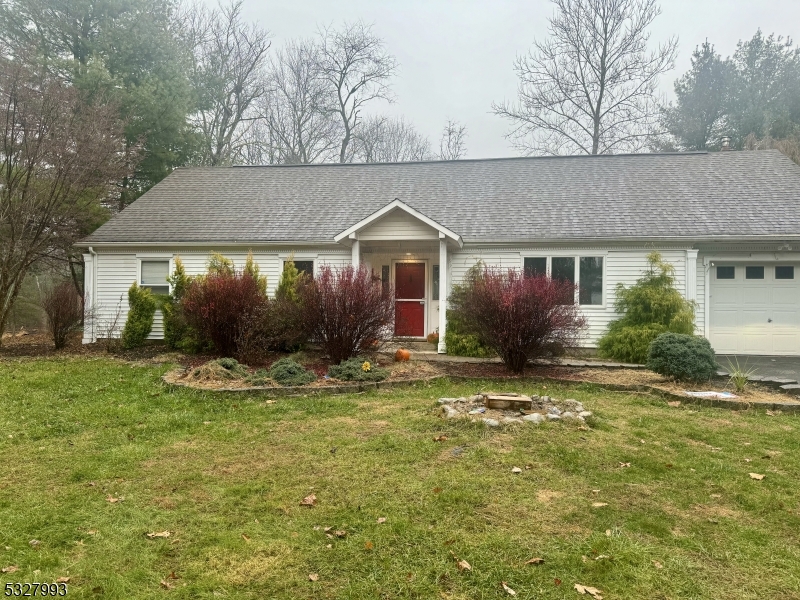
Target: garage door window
point(754, 272)
point(726, 272)
point(784, 272)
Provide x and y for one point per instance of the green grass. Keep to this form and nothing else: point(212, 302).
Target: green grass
point(225, 475)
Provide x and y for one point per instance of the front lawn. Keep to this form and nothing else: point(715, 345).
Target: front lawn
point(98, 453)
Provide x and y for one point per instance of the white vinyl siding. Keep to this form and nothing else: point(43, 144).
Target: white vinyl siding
point(116, 271)
point(398, 225)
point(620, 266)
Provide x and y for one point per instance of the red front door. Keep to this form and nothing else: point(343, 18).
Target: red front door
point(409, 291)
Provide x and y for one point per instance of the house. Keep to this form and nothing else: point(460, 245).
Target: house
point(729, 222)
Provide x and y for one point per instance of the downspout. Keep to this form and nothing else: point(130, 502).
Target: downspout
point(93, 296)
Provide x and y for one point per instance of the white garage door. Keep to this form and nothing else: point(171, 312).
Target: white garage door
point(755, 308)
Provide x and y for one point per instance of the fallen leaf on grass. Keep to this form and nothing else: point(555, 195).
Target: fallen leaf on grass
point(313, 577)
point(516, 470)
point(716, 495)
point(508, 590)
point(113, 500)
point(461, 564)
point(159, 534)
point(674, 404)
point(441, 438)
point(63, 579)
point(585, 589)
point(556, 581)
point(34, 543)
point(608, 533)
point(437, 490)
point(769, 413)
point(756, 476)
point(92, 532)
point(381, 520)
point(657, 565)
point(310, 500)
point(245, 537)
point(535, 561)
point(172, 575)
point(601, 556)
point(340, 533)
point(748, 460)
point(9, 569)
point(624, 465)
point(166, 584)
point(368, 546)
point(599, 504)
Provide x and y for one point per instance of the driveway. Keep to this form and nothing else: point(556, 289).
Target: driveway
point(785, 367)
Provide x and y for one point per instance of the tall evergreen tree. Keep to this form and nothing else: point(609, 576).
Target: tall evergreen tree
point(697, 119)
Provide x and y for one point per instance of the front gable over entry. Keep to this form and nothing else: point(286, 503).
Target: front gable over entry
point(398, 221)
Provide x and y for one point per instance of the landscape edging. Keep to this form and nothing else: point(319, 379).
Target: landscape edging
point(283, 392)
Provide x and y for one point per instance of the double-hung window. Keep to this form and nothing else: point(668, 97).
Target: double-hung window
point(153, 276)
point(585, 271)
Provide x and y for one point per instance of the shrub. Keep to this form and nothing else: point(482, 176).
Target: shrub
point(287, 318)
point(139, 323)
point(217, 370)
point(222, 303)
point(178, 334)
point(739, 375)
point(63, 306)
point(683, 357)
point(457, 339)
point(357, 369)
point(520, 318)
point(290, 279)
point(346, 311)
point(650, 307)
point(288, 372)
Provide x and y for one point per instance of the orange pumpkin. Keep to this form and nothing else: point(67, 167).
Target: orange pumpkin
point(402, 355)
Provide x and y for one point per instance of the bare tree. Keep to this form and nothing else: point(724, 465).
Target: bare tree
point(590, 87)
point(453, 143)
point(381, 139)
point(228, 73)
point(357, 68)
point(60, 157)
point(298, 108)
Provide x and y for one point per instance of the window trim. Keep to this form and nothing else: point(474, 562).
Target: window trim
point(168, 258)
point(549, 255)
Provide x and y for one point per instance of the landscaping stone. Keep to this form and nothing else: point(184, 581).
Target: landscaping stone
point(451, 400)
point(508, 412)
point(534, 418)
point(792, 388)
point(450, 412)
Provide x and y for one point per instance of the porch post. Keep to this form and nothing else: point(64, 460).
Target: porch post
point(356, 251)
point(442, 293)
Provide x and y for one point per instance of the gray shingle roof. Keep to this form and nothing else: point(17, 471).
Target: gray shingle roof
point(693, 196)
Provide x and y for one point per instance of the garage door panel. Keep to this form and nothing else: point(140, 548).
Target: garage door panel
point(726, 318)
point(786, 343)
point(725, 342)
point(753, 296)
point(756, 342)
point(784, 295)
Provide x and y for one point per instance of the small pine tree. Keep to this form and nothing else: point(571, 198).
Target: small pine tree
point(287, 286)
point(251, 268)
point(219, 265)
point(140, 317)
point(179, 280)
point(650, 307)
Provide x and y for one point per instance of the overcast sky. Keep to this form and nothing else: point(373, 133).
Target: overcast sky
point(456, 56)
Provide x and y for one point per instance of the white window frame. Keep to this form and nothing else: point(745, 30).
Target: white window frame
point(577, 256)
point(169, 258)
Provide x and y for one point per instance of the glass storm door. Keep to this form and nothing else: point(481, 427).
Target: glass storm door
point(409, 293)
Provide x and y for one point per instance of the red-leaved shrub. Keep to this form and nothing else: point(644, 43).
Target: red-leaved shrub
point(520, 318)
point(63, 306)
point(346, 311)
point(221, 304)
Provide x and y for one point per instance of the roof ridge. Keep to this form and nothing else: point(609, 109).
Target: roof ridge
point(470, 160)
